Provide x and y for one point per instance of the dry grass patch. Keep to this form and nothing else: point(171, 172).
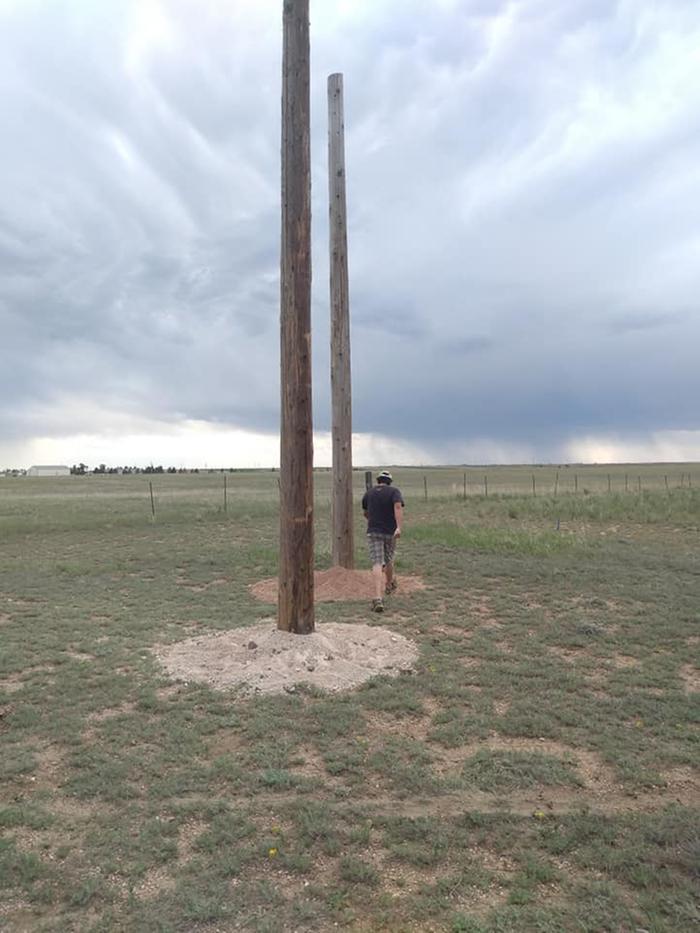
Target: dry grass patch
point(308, 763)
point(338, 584)
point(683, 778)
point(570, 655)
point(188, 835)
point(156, 881)
point(690, 675)
point(111, 712)
point(380, 725)
point(12, 684)
point(623, 662)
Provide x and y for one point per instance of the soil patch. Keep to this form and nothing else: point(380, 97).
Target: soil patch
point(337, 584)
point(690, 676)
point(262, 659)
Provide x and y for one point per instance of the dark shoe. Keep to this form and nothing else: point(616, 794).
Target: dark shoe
point(390, 587)
point(377, 605)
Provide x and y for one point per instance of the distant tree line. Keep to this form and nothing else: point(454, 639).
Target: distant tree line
point(82, 469)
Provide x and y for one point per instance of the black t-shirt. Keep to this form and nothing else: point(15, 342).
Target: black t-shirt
point(378, 502)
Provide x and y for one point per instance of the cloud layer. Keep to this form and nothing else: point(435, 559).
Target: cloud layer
point(522, 182)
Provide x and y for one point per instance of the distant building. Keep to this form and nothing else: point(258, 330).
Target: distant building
point(48, 471)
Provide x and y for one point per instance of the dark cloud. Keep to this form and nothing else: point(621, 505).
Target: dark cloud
point(522, 185)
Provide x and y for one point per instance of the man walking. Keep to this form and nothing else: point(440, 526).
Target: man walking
point(383, 507)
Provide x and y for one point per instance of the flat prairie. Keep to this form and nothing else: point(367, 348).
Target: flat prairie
point(536, 770)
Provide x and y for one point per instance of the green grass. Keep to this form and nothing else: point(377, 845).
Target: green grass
point(506, 771)
point(537, 771)
point(495, 540)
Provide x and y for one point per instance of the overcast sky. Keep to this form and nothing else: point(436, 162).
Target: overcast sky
point(524, 241)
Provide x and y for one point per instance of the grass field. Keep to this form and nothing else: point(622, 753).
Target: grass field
point(537, 772)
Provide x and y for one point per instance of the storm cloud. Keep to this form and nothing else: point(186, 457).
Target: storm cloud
point(522, 192)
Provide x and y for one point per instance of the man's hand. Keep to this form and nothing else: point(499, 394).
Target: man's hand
point(397, 533)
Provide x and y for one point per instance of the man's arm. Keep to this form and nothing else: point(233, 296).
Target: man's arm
point(398, 515)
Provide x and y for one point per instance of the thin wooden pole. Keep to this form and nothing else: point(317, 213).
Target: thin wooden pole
point(425, 487)
point(153, 503)
point(368, 479)
point(342, 522)
point(225, 496)
point(295, 610)
point(465, 485)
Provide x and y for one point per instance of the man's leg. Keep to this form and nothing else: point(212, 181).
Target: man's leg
point(389, 552)
point(376, 548)
point(377, 580)
point(389, 571)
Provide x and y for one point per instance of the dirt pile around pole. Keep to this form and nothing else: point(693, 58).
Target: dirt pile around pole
point(261, 659)
point(337, 584)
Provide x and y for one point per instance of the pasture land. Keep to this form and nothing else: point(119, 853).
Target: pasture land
point(537, 772)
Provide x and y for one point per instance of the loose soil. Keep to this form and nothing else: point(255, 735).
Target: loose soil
point(337, 584)
point(261, 659)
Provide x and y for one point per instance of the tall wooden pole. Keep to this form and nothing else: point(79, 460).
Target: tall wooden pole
point(295, 611)
point(342, 544)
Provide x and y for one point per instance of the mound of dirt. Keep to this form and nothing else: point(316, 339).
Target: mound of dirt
point(337, 584)
point(261, 659)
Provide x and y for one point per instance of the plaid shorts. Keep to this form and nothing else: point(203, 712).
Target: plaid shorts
point(381, 548)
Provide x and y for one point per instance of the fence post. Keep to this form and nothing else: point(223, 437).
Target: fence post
point(465, 485)
point(556, 484)
point(609, 485)
point(486, 486)
point(153, 504)
point(626, 487)
point(575, 482)
point(639, 483)
point(666, 482)
point(368, 479)
point(534, 493)
point(225, 496)
point(425, 487)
